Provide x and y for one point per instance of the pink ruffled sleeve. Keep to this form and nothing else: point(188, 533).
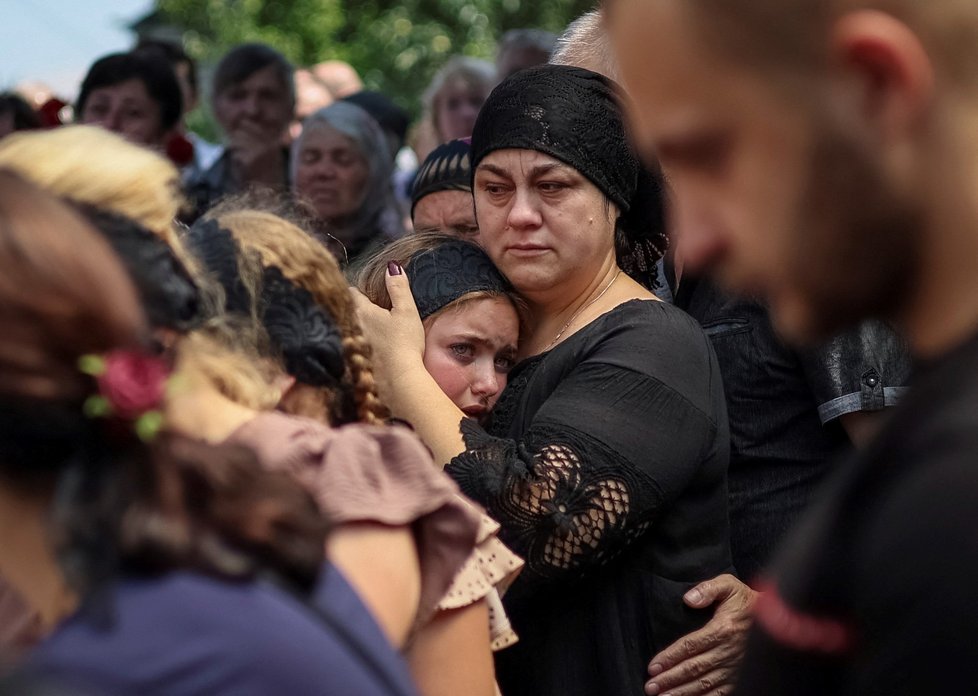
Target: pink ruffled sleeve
point(360, 473)
point(489, 570)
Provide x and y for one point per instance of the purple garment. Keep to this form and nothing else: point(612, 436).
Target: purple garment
point(186, 634)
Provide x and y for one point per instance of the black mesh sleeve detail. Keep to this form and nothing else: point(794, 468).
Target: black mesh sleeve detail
point(562, 510)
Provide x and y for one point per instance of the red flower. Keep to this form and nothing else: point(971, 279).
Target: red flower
point(50, 112)
point(180, 150)
point(133, 383)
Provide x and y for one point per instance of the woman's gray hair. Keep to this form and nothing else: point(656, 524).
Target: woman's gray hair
point(378, 211)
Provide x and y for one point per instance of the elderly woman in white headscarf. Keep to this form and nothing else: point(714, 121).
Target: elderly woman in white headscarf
point(341, 165)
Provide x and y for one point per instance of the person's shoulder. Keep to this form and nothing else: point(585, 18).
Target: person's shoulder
point(153, 611)
point(648, 329)
point(658, 342)
point(298, 444)
point(654, 316)
point(394, 443)
point(281, 439)
point(250, 632)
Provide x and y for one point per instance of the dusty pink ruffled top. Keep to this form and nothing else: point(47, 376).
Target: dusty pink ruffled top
point(360, 473)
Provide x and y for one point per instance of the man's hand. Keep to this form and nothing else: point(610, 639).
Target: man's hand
point(704, 662)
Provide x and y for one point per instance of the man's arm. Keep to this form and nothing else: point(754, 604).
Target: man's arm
point(856, 375)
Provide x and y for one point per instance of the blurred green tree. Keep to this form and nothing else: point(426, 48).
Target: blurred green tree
point(395, 45)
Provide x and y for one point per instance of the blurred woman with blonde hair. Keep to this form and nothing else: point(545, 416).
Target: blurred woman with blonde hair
point(71, 162)
point(88, 164)
point(455, 95)
point(150, 558)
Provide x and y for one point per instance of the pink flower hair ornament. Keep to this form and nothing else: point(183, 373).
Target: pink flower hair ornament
point(131, 388)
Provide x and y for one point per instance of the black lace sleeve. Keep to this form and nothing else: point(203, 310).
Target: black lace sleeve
point(605, 454)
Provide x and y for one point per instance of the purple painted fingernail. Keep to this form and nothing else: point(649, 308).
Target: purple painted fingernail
point(393, 269)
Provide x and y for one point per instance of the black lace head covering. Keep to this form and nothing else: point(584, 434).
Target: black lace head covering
point(575, 116)
point(449, 271)
point(302, 331)
point(445, 169)
point(169, 295)
point(218, 252)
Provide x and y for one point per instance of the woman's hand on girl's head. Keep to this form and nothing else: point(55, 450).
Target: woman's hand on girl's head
point(396, 336)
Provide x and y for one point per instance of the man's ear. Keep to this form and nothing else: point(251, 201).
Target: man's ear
point(885, 61)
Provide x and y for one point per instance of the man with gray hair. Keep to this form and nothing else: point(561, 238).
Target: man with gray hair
point(585, 44)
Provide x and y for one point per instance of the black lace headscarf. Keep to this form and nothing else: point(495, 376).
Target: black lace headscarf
point(575, 116)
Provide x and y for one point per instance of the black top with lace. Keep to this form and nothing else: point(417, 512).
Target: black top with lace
point(605, 463)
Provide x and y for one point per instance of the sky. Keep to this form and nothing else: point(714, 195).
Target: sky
point(55, 41)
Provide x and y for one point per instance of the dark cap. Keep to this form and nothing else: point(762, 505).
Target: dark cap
point(447, 168)
point(392, 118)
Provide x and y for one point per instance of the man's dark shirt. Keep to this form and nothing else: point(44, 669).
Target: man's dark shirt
point(877, 591)
point(783, 407)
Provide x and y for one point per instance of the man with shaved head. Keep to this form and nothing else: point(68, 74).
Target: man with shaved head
point(823, 155)
point(339, 77)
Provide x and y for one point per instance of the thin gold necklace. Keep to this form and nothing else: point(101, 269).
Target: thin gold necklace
point(578, 312)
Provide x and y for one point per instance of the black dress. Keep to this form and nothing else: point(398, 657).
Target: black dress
point(605, 463)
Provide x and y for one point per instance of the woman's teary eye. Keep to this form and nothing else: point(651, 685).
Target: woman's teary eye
point(504, 363)
point(462, 350)
point(552, 186)
point(493, 188)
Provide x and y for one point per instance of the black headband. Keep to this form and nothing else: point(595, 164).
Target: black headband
point(449, 271)
point(217, 250)
point(303, 331)
point(169, 295)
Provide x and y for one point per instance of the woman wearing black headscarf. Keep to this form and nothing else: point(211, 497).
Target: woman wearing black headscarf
point(605, 459)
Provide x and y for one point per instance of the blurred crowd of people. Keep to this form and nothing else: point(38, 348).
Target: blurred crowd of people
point(593, 380)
